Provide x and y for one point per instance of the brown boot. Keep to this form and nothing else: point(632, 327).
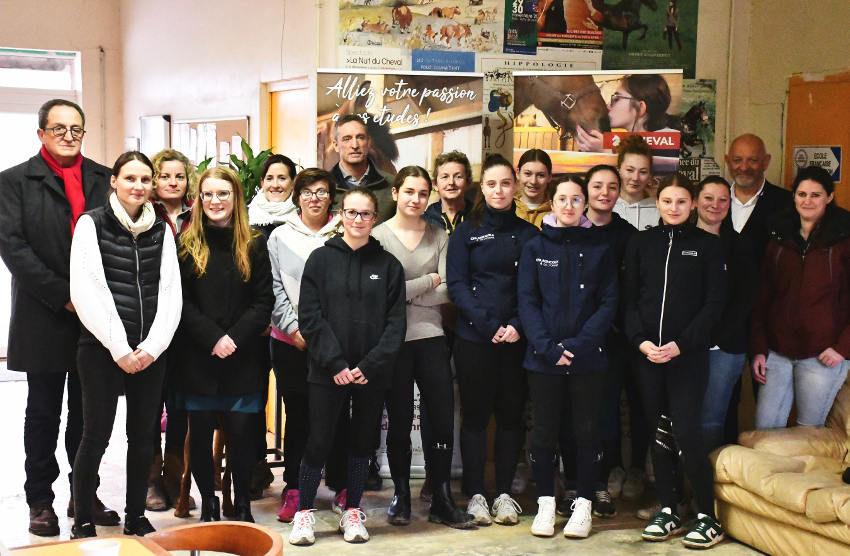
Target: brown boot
point(155, 500)
point(172, 475)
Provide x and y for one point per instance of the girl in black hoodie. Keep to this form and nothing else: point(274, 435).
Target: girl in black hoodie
point(352, 315)
point(674, 287)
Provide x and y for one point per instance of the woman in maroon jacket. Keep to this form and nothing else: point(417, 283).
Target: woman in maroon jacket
point(800, 338)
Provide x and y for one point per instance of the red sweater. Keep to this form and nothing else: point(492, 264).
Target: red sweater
point(803, 301)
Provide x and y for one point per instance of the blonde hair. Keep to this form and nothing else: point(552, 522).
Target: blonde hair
point(167, 155)
point(193, 242)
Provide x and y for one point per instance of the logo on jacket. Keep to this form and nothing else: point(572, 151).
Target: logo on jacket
point(546, 263)
point(485, 237)
point(374, 277)
point(689, 253)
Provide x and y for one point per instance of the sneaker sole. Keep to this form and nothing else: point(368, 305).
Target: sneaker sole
point(507, 521)
point(356, 540)
point(576, 535)
point(657, 538)
point(543, 534)
point(462, 525)
point(301, 542)
point(604, 516)
point(702, 545)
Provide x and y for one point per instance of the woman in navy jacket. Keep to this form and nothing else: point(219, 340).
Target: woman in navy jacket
point(481, 271)
point(567, 301)
point(674, 287)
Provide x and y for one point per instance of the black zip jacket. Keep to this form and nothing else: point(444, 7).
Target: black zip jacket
point(352, 311)
point(481, 272)
point(731, 334)
point(674, 284)
point(617, 234)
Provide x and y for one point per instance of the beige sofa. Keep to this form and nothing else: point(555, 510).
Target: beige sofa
point(780, 491)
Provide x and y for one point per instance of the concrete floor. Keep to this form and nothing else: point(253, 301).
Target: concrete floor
point(610, 537)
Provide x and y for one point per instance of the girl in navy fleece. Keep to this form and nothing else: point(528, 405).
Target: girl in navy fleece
point(567, 302)
point(481, 271)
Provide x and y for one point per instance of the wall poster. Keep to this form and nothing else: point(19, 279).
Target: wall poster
point(643, 34)
point(698, 116)
point(579, 117)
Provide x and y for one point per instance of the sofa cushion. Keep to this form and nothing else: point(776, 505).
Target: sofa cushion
point(745, 466)
point(829, 504)
point(797, 441)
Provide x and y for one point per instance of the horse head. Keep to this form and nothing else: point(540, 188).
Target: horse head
point(566, 101)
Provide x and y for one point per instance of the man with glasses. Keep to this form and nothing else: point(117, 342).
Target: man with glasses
point(40, 202)
point(354, 169)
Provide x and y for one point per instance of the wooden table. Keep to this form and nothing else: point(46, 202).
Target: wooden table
point(130, 546)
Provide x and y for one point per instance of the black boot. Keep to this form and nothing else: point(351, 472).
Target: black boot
point(210, 509)
point(83, 531)
point(374, 480)
point(139, 526)
point(243, 510)
point(399, 511)
point(443, 509)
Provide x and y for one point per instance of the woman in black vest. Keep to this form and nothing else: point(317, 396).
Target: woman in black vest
point(227, 305)
point(125, 286)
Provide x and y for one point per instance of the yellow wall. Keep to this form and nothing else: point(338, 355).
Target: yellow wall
point(84, 26)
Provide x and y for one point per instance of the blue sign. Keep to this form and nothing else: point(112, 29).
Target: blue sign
point(443, 60)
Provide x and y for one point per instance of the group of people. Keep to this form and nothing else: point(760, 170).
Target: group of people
point(537, 290)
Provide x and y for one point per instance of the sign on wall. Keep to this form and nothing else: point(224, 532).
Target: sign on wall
point(827, 157)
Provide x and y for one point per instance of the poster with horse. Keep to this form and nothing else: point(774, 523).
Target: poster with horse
point(643, 34)
point(567, 24)
point(580, 117)
point(698, 115)
point(410, 117)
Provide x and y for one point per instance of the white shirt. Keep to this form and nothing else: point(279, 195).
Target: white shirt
point(641, 215)
point(741, 212)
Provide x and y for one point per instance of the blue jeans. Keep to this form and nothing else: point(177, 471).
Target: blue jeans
point(809, 382)
point(723, 372)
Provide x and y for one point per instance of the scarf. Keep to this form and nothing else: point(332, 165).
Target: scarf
point(72, 178)
point(145, 221)
point(262, 212)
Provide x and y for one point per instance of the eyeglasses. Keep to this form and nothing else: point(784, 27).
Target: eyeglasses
point(220, 195)
point(616, 97)
point(564, 201)
point(365, 216)
point(321, 195)
point(60, 131)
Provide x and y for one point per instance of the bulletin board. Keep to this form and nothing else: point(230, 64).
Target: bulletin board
point(215, 138)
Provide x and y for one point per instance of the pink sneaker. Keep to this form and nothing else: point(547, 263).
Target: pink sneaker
point(290, 506)
point(339, 501)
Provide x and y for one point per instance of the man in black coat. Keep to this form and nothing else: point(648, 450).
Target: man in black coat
point(40, 201)
point(755, 201)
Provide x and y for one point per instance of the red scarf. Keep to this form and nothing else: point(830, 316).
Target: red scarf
point(72, 177)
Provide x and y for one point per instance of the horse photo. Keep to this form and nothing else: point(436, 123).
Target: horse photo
point(623, 16)
point(695, 128)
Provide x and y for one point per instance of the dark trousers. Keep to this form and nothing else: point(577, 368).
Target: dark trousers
point(558, 401)
point(239, 428)
point(102, 381)
point(290, 372)
point(41, 431)
point(425, 361)
point(492, 382)
point(676, 389)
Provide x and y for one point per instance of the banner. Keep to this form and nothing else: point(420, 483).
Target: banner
point(410, 117)
point(579, 118)
point(441, 35)
point(641, 34)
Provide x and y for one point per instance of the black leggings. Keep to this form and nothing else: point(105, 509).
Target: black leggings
point(290, 373)
point(676, 389)
point(326, 401)
point(559, 401)
point(102, 381)
point(425, 361)
point(492, 382)
point(237, 426)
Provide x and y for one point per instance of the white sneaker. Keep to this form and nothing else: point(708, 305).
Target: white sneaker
point(615, 481)
point(302, 528)
point(351, 525)
point(505, 510)
point(544, 521)
point(579, 524)
point(477, 508)
point(634, 484)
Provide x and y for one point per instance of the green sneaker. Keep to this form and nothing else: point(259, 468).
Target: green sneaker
point(705, 533)
point(664, 525)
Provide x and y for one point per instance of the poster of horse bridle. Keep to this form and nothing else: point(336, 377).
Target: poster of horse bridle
point(410, 117)
point(579, 117)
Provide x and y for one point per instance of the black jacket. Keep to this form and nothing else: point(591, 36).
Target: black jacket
point(567, 287)
point(352, 311)
point(131, 267)
point(481, 272)
point(731, 333)
point(674, 285)
point(435, 215)
point(772, 202)
point(35, 243)
point(379, 183)
point(219, 303)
